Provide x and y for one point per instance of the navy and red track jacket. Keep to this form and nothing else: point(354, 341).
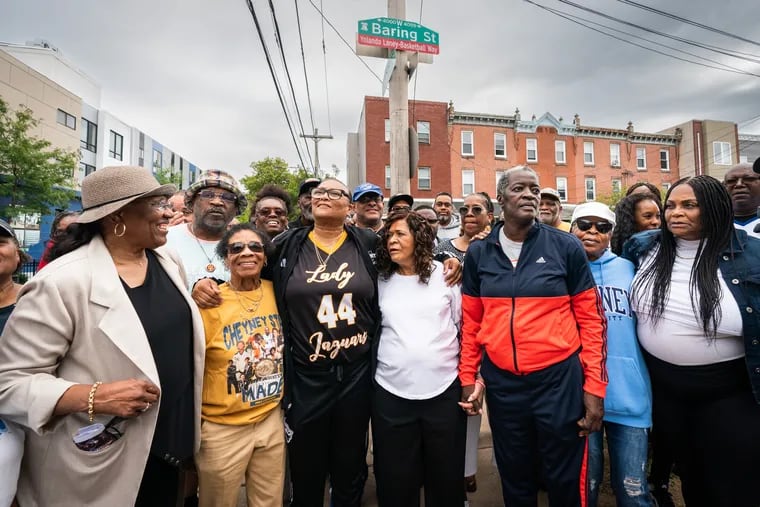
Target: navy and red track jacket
point(536, 314)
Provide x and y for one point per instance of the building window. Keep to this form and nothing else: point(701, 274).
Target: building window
point(722, 153)
point(66, 119)
point(499, 174)
point(615, 155)
point(87, 169)
point(158, 160)
point(499, 145)
point(468, 182)
point(665, 187)
point(665, 160)
point(423, 178)
point(531, 148)
point(641, 159)
point(387, 130)
point(617, 186)
point(559, 152)
point(468, 149)
point(88, 136)
point(562, 188)
point(116, 146)
point(590, 189)
point(387, 176)
point(588, 153)
point(423, 132)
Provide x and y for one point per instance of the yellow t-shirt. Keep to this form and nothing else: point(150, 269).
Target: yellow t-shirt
point(564, 226)
point(242, 379)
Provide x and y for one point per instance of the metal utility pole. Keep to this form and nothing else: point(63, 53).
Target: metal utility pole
point(398, 99)
point(316, 138)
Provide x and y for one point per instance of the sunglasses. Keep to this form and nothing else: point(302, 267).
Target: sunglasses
point(97, 437)
point(239, 246)
point(476, 210)
point(210, 194)
point(265, 212)
point(601, 227)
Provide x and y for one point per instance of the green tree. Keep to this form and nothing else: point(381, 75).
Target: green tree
point(167, 175)
point(612, 199)
point(273, 170)
point(36, 177)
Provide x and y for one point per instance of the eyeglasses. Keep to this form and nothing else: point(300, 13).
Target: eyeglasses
point(366, 199)
point(210, 194)
point(97, 437)
point(265, 212)
point(443, 205)
point(476, 210)
point(747, 180)
point(401, 207)
point(601, 227)
point(161, 206)
point(239, 246)
point(332, 193)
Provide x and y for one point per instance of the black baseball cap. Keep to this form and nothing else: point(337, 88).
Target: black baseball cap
point(307, 184)
point(6, 230)
point(756, 166)
point(408, 199)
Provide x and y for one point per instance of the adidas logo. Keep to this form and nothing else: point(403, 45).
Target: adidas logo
point(540, 260)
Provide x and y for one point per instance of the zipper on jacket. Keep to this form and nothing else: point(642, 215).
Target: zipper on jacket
point(512, 321)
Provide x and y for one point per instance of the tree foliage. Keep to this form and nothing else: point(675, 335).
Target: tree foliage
point(613, 198)
point(35, 177)
point(273, 170)
point(167, 175)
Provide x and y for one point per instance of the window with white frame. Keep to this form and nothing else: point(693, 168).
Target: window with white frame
point(562, 188)
point(665, 160)
point(387, 176)
point(722, 153)
point(387, 130)
point(665, 187)
point(588, 153)
point(499, 174)
point(468, 181)
point(158, 160)
point(590, 189)
point(617, 186)
point(468, 149)
point(531, 150)
point(499, 145)
point(423, 132)
point(559, 152)
point(614, 154)
point(641, 159)
point(423, 178)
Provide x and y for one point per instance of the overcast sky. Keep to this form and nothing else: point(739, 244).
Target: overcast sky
point(192, 73)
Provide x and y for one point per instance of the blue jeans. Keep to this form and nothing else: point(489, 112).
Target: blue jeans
point(627, 448)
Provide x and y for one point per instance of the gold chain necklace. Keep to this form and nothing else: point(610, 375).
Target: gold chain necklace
point(210, 267)
point(253, 302)
point(323, 261)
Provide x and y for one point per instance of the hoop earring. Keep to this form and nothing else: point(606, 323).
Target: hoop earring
point(265, 262)
point(123, 231)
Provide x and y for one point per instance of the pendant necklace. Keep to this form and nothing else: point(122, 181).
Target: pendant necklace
point(330, 250)
point(210, 267)
point(248, 304)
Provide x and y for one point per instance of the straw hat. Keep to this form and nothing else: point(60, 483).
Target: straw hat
point(109, 189)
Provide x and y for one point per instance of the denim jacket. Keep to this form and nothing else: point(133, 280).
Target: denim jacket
point(739, 266)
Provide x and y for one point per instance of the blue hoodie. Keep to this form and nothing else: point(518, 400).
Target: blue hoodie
point(629, 393)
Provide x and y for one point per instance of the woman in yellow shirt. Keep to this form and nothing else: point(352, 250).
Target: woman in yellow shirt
point(242, 435)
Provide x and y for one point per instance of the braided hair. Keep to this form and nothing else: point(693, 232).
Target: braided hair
point(625, 219)
point(716, 217)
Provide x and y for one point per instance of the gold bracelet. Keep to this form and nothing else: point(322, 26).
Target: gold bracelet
point(91, 401)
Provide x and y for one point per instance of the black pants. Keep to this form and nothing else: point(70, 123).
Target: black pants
point(160, 484)
point(327, 427)
point(709, 415)
point(536, 415)
point(419, 443)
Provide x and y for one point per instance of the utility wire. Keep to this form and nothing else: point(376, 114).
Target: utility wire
point(303, 59)
point(348, 45)
point(249, 3)
point(708, 47)
point(324, 60)
point(582, 21)
point(568, 18)
point(688, 21)
point(278, 40)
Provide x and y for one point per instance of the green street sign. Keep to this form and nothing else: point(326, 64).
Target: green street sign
point(399, 34)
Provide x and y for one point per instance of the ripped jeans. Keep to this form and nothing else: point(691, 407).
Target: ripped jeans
point(627, 448)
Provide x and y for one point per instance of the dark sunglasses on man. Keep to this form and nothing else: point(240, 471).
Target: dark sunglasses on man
point(209, 194)
point(602, 226)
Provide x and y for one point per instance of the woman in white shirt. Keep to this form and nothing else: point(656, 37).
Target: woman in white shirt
point(417, 425)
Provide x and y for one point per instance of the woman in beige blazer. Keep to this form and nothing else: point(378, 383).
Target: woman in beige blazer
point(102, 359)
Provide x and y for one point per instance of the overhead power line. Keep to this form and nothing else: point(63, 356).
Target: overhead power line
point(324, 61)
point(688, 21)
point(303, 59)
point(348, 45)
point(249, 3)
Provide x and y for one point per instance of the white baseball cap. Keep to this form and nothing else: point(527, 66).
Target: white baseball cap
point(593, 209)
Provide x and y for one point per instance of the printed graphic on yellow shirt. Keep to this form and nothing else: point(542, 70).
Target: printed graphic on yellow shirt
point(255, 369)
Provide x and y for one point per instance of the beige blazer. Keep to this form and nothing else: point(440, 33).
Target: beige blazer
point(75, 324)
